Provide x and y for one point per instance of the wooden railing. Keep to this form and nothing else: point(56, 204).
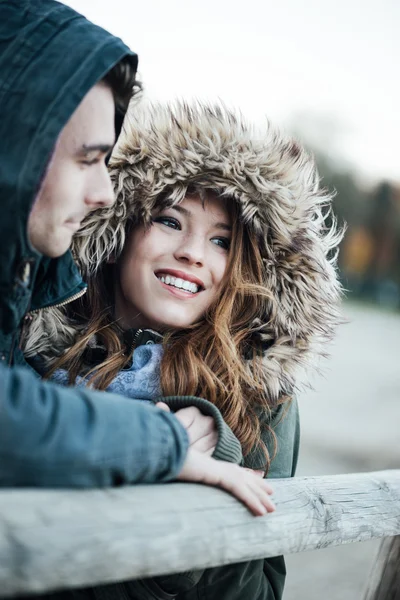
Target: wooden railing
point(56, 539)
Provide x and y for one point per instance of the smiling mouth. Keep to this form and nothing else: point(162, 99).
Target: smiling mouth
point(179, 283)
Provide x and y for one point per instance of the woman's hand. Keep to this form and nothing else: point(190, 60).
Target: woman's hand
point(256, 472)
point(242, 483)
point(202, 432)
point(245, 484)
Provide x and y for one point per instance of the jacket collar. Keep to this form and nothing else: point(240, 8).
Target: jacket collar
point(96, 353)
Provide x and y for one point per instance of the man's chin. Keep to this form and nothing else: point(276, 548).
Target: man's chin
point(51, 251)
point(58, 248)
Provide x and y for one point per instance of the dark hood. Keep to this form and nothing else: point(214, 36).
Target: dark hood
point(50, 57)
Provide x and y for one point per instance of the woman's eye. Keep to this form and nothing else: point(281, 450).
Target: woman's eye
point(168, 221)
point(223, 242)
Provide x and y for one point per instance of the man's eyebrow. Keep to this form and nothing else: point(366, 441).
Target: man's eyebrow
point(103, 148)
point(185, 211)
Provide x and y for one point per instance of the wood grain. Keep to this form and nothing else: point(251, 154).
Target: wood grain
point(55, 539)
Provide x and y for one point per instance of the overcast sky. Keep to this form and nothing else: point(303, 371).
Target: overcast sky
point(331, 67)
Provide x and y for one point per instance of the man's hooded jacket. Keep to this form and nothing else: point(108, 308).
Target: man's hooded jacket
point(50, 57)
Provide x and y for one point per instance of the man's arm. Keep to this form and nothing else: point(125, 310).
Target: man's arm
point(53, 436)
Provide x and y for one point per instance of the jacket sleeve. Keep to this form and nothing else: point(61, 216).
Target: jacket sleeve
point(259, 579)
point(52, 436)
point(228, 446)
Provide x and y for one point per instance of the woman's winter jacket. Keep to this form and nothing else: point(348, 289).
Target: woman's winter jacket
point(164, 150)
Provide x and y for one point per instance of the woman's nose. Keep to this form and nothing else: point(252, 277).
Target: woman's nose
point(191, 250)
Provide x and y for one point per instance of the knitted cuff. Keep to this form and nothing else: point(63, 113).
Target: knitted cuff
point(228, 446)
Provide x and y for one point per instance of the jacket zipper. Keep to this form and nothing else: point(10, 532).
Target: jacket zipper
point(59, 304)
point(135, 339)
point(30, 313)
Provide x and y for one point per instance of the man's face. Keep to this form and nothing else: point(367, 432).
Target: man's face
point(77, 180)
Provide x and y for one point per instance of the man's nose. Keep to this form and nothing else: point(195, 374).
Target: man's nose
point(101, 193)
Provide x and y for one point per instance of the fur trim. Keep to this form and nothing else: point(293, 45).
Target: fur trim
point(164, 149)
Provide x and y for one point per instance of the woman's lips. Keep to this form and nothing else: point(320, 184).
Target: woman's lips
point(181, 275)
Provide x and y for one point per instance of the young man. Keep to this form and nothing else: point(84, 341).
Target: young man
point(64, 88)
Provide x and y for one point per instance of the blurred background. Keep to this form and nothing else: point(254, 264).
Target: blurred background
point(327, 72)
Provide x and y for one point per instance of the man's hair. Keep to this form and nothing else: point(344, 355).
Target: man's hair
point(124, 86)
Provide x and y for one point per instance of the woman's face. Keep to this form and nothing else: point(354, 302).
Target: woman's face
point(169, 274)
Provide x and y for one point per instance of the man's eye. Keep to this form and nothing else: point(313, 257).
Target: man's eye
point(223, 242)
point(168, 221)
point(92, 161)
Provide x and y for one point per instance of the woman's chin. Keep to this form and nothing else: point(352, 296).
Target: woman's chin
point(172, 323)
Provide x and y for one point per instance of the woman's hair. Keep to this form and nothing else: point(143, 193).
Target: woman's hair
point(210, 358)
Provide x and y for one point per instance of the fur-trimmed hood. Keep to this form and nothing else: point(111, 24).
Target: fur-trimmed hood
point(166, 148)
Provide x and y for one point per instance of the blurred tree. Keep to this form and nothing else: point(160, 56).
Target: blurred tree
point(370, 254)
point(382, 280)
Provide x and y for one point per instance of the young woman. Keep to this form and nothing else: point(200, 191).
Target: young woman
point(212, 276)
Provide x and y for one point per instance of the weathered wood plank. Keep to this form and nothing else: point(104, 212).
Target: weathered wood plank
point(384, 583)
point(65, 538)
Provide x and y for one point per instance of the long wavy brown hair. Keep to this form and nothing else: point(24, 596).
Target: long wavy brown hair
point(215, 358)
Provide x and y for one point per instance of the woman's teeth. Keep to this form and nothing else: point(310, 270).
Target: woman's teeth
point(177, 282)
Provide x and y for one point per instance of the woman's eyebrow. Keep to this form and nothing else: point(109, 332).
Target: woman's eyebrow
point(188, 213)
point(181, 210)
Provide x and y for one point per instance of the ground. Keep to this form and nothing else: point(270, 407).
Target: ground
point(350, 423)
